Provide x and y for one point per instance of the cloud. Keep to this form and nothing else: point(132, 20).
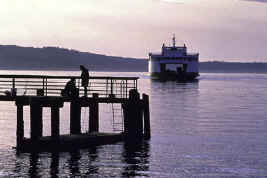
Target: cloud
point(262, 1)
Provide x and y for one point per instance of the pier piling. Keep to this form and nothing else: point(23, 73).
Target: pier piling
point(20, 125)
point(55, 131)
point(94, 114)
point(133, 122)
point(147, 134)
point(36, 119)
point(75, 117)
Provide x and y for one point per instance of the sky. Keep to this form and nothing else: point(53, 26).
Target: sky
point(221, 30)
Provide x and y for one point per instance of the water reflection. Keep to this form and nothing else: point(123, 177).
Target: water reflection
point(175, 81)
point(74, 162)
point(173, 104)
point(136, 156)
point(92, 157)
point(120, 160)
point(54, 165)
point(158, 87)
point(33, 170)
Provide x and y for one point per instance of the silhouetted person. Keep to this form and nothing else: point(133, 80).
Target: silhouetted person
point(179, 70)
point(85, 78)
point(70, 88)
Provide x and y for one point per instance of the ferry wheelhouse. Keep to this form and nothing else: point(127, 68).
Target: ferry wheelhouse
point(174, 62)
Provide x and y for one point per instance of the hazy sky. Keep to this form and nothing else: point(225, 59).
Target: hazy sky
point(229, 30)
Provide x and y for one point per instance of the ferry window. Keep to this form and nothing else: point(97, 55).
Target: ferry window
point(172, 67)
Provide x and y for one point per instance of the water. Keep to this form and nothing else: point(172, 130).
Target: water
point(216, 127)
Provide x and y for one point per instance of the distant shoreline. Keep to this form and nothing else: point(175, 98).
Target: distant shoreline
point(59, 59)
point(77, 70)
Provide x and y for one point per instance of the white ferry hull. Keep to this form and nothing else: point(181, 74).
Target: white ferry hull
point(190, 76)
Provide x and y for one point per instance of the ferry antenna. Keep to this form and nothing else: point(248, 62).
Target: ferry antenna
point(173, 40)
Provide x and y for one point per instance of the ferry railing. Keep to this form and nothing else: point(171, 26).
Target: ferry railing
point(31, 85)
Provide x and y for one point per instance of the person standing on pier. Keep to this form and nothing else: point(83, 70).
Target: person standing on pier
point(85, 78)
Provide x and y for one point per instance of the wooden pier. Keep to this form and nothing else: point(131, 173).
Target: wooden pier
point(39, 91)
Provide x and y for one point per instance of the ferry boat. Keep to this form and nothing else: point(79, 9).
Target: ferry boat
point(174, 63)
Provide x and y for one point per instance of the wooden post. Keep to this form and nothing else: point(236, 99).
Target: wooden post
point(55, 118)
point(147, 132)
point(54, 166)
point(20, 126)
point(40, 92)
point(75, 117)
point(36, 112)
point(55, 122)
point(94, 114)
point(133, 123)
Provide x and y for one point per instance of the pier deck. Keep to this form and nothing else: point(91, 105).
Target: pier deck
point(39, 91)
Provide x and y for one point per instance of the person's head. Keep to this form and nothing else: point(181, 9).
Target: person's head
point(82, 67)
point(72, 80)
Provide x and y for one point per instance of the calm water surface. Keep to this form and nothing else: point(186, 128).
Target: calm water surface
point(216, 127)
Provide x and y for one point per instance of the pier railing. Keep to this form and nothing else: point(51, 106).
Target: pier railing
point(32, 85)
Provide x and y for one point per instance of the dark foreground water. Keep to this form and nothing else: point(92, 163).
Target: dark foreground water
point(216, 127)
